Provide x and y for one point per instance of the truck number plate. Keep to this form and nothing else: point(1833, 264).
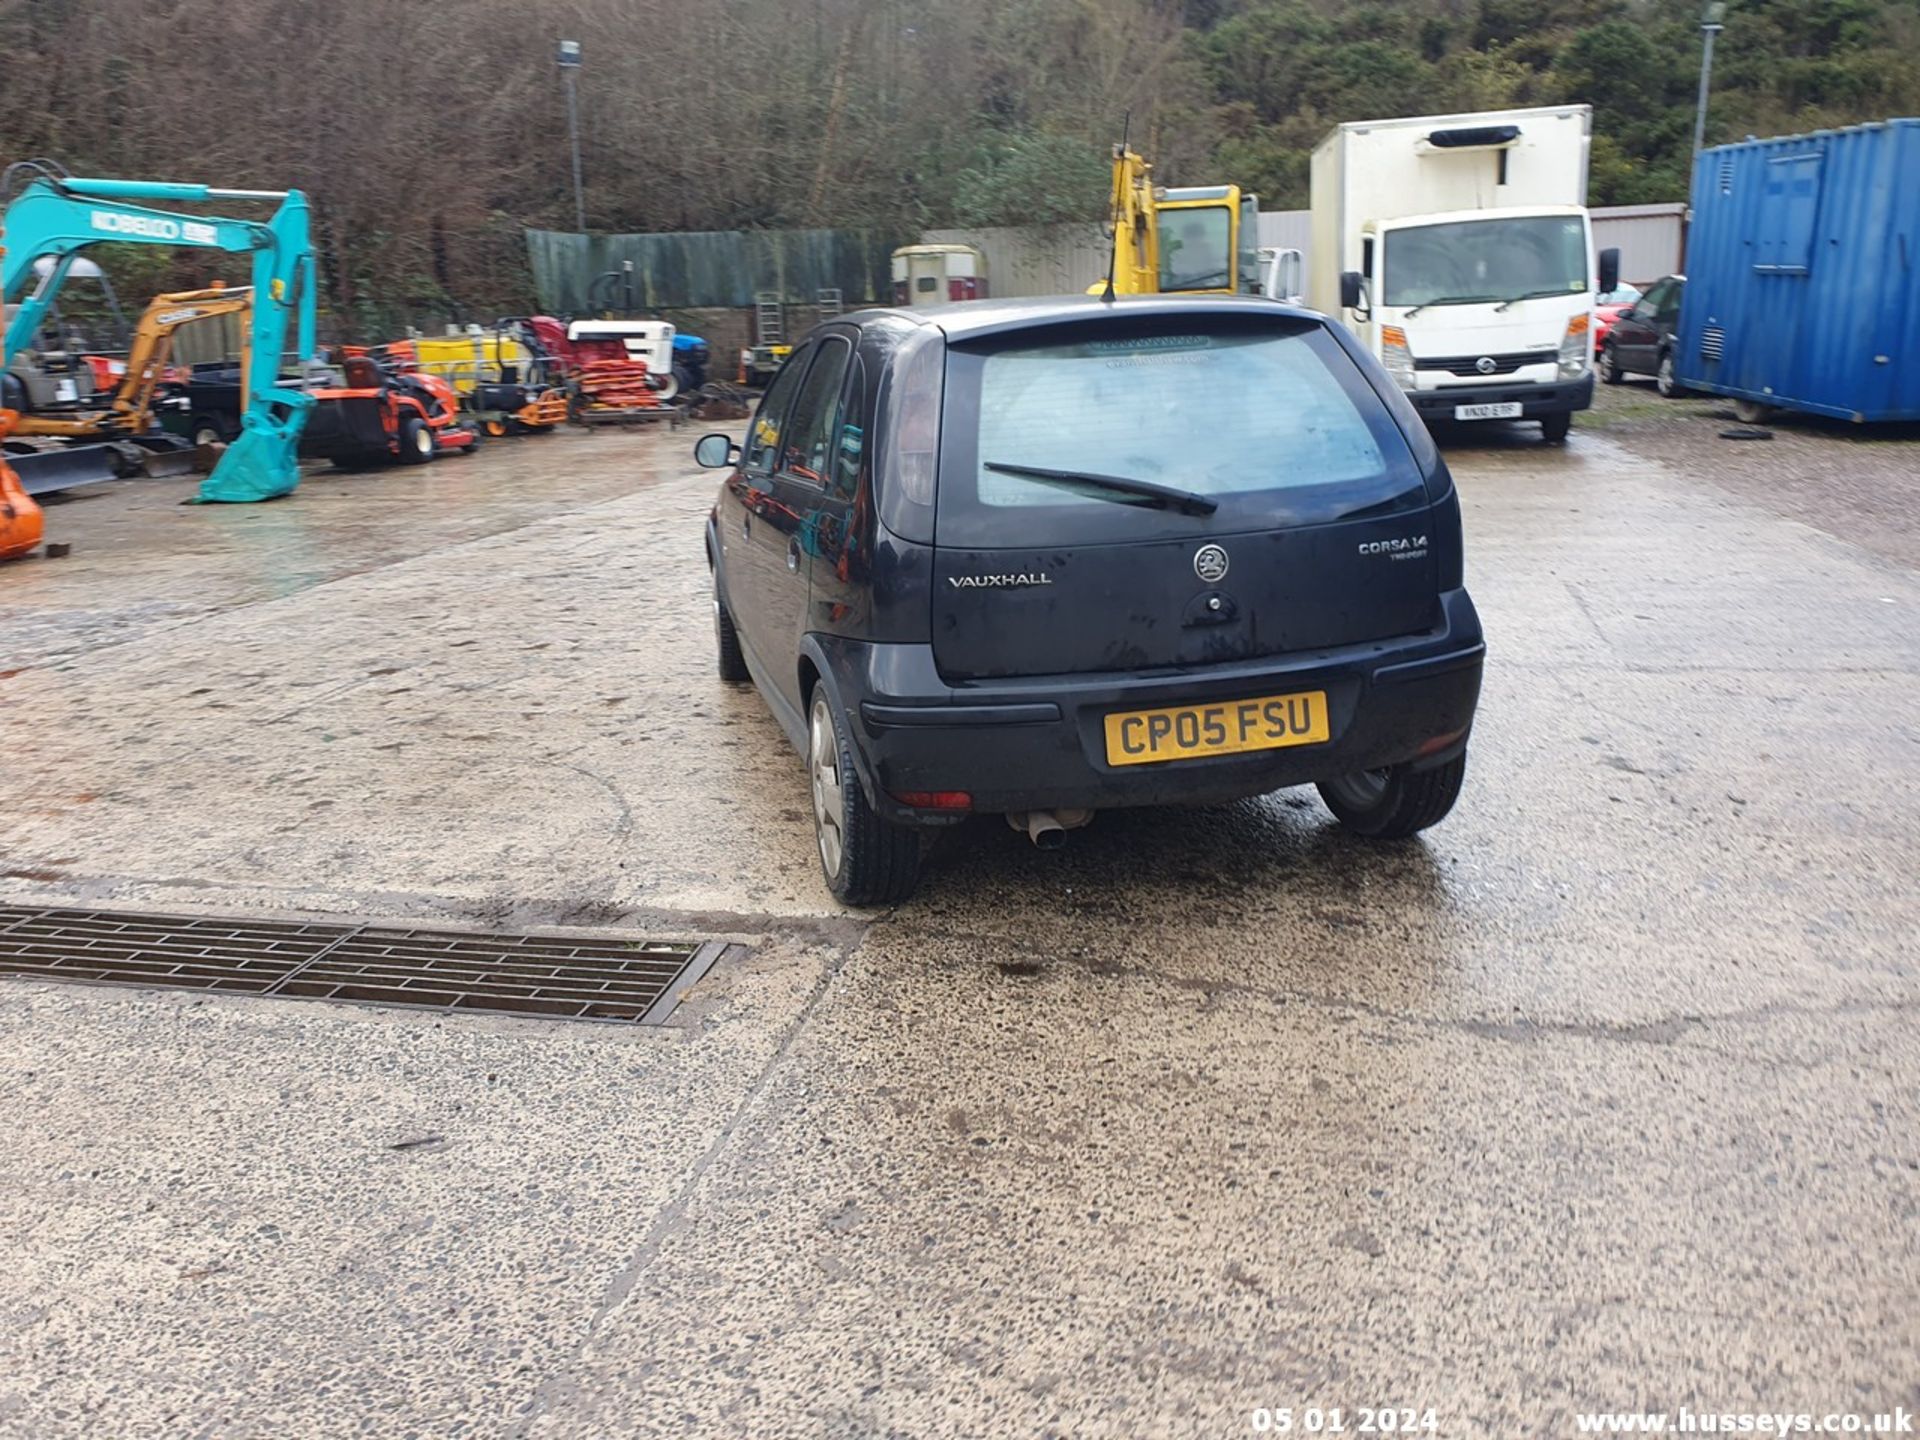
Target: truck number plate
point(1501, 410)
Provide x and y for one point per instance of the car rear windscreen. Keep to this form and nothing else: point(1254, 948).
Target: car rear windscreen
point(1271, 426)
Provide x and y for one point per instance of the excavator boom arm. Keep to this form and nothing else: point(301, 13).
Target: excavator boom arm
point(58, 216)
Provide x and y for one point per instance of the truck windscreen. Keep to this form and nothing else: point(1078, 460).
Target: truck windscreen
point(1471, 261)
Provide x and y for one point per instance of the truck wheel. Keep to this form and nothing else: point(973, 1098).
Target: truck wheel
point(866, 860)
point(1663, 378)
point(1752, 412)
point(1553, 428)
point(1393, 803)
point(1610, 371)
point(416, 441)
point(666, 386)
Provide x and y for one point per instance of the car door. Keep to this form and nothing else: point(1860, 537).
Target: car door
point(799, 519)
point(749, 526)
point(1666, 317)
point(839, 574)
point(1634, 335)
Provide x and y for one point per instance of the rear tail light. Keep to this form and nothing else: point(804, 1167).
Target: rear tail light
point(936, 799)
point(1437, 744)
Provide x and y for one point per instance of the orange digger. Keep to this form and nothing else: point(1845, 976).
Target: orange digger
point(21, 524)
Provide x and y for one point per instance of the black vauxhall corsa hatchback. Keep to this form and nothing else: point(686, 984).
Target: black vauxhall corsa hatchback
point(1045, 558)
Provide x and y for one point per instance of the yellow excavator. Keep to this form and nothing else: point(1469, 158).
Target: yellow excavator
point(1194, 240)
point(128, 415)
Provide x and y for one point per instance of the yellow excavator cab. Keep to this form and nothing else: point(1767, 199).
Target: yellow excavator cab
point(1193, 240)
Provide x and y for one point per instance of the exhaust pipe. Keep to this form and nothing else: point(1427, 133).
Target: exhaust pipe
point(1047, 829)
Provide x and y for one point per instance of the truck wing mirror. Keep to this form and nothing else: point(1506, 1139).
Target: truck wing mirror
point(1609, 270)
point(1352, 290)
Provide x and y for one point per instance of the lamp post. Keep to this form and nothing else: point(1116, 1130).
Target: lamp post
point(568, 56)
point(1710, 26)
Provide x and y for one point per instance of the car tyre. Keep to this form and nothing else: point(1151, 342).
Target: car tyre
point(416, 440)
point(1663, 378)
point(1554, 428)
point(1395, 802)
point(1610, 371)
point(733, 661)
point(866, 860)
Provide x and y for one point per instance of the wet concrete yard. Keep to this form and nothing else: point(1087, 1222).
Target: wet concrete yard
point(1601, 1096)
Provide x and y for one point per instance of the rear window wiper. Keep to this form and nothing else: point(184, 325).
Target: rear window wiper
point(1190, 502)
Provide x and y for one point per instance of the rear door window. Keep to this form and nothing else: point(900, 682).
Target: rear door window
point(809, 442)
point(763, 439)
point(1274, 425)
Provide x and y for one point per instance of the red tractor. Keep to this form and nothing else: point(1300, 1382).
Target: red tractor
point(385, 409)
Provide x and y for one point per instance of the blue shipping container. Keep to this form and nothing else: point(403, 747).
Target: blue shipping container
point(1801, 273)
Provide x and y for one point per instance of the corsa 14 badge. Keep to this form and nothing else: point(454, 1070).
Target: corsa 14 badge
point(1401, 547)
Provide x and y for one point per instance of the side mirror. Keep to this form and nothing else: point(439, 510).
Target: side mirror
point(1609, 269)
point(1353, 290)
point(715, 452)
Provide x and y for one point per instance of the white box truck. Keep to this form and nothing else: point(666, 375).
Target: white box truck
point(1457, 249)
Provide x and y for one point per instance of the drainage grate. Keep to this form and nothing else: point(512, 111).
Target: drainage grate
point(635, 981)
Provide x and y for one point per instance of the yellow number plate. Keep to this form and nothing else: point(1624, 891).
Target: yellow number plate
point(1188, 732)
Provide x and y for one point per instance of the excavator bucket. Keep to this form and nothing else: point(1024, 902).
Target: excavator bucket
point(164, 456)
point(261, 464)
point(21, 523)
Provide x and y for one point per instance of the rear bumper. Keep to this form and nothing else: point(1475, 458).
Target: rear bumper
point(1536, 399)
point(1039, 743)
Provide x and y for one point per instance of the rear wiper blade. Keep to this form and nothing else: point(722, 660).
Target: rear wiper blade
point(1189, 501)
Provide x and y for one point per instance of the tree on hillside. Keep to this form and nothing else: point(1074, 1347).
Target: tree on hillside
point(428, 135)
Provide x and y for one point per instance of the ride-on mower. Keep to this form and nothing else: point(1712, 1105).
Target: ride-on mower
point(384, 410)
point(507, 384)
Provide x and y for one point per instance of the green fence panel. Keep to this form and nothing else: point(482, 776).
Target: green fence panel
point(716, 267)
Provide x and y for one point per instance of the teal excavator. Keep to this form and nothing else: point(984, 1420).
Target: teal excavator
point(54, 216)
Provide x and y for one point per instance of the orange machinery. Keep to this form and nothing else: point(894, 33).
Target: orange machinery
point(21, 524)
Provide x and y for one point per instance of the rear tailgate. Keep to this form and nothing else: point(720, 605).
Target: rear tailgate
point(1126, 606)
point(1318, 536)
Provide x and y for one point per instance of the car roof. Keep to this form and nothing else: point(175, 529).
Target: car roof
point(970, 319)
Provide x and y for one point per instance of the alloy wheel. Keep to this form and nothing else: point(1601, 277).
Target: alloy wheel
point(829, 794)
